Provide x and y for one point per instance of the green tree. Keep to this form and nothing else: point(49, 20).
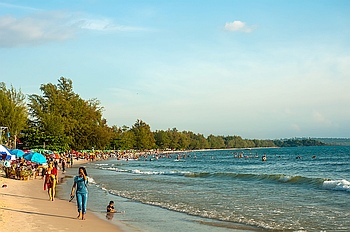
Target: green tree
point(68, 120)
point(194, 142)
point(197, 141)
point(33, 138)
point(239, 142)
point(230, 142)
point(162, 139)
point(116, 138)
point(203, 142)
point(13, 112)
point(174, 136)
point(144, 139)
point(123, 138)
point(249, 143)
point(184, 141)
point(128, 140)
point(216, 142)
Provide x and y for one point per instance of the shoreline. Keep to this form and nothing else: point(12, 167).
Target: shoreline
point(148, 217)
point(24, 206)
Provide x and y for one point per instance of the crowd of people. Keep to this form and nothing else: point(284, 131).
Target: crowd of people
point(22, 169)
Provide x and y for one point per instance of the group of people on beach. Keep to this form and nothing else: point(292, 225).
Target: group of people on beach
point(21, 168)
point(79, 190)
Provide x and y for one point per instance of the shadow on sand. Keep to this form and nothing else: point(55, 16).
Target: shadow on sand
point(37, 213)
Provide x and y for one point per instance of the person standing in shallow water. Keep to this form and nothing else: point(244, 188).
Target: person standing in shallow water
point(81, 191)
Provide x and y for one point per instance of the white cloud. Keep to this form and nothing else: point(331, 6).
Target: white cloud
point(238, 26)
point(98, 25)
point(103, 25)
point(33, 30)
point(51, 26)
point(19, 7)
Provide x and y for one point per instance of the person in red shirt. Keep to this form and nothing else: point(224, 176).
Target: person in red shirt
point(51, 179)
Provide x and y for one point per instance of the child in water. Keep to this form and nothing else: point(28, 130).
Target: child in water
point(110, 210)
point(110, 207)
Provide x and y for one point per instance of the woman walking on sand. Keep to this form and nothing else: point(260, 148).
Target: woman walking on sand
point(51, 179)
point(81, 191)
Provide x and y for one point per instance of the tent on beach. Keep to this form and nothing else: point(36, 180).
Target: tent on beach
point(6, 154)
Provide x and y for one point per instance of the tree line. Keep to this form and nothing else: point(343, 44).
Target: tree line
point(61, 120)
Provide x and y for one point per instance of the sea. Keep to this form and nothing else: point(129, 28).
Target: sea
point(295, 189)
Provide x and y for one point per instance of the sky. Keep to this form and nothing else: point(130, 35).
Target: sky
point(259, 69)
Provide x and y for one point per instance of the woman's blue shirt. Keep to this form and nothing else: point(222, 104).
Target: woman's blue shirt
point(81, 184)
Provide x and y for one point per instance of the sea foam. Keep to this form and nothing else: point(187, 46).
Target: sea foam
point(91, 180)
point(339, 185)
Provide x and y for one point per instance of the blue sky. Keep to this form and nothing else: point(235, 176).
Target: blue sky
point(255, 68)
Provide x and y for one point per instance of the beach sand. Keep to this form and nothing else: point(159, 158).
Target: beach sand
point(25, 206)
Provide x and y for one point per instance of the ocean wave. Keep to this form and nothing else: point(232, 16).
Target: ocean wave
point(282, 178)
point(294, 179)
point(91, 180)
point(197, 174)
point(273, 178)
point(101, 164)
point(137, 171)
point(338, 185)
point(115, 169)
point(110, 168)
point(143, 172)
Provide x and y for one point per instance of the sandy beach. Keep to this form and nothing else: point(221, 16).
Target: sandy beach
point(25, 206)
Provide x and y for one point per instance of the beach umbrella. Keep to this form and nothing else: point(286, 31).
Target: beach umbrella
point(17, 152)
point(35, 157)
